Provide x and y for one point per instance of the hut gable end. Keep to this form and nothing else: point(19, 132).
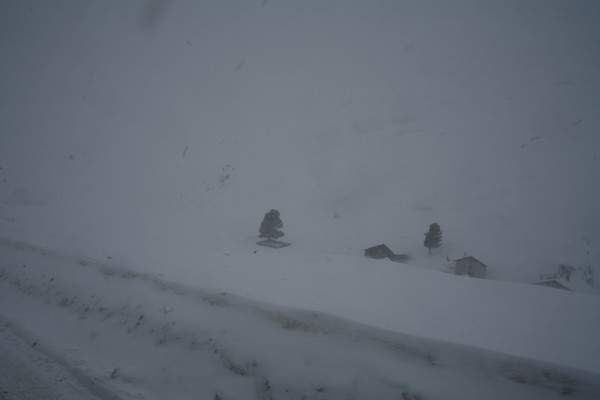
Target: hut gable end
point(470, 266)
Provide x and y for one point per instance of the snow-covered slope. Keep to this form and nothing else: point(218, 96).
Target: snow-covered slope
point(342, 328)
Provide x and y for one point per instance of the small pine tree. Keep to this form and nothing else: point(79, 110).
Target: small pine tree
point(433, 238)
point(270, 225)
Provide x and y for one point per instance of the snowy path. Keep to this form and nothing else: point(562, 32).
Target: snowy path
point(28, 372)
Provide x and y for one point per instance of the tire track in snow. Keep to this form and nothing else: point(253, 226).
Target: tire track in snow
point(28, 371)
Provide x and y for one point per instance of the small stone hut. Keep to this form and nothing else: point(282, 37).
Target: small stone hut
point(470, 266)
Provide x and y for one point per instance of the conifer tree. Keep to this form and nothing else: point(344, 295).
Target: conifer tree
point(270, 225)
point(433, 238)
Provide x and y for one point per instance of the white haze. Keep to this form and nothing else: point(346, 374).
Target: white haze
point(158, 132)
point(148, 128)
point(141, 143)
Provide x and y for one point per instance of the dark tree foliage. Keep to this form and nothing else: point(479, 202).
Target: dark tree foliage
point(433, 238)
point(270, 225)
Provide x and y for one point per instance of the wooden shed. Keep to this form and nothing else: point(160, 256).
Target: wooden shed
point(554, 283)
point(379, 251)
point(470, 266)
point(382, 251)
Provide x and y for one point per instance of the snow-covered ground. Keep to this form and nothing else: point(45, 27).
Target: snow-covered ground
point(142, 142)
point(346, 329)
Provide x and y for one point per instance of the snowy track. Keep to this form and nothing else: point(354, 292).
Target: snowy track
point(28, 372)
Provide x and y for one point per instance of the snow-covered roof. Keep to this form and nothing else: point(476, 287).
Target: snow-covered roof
point(469, 257)
point(574, 285)
point(557, 283)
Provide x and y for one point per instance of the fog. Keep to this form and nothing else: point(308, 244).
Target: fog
point(153, 132)
point(142, 142)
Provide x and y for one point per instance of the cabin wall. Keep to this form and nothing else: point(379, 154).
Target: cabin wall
point(471, 268)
